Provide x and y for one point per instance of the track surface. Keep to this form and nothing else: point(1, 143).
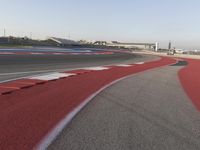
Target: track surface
point(14, 66)
point(27, 115)
point(148, 111)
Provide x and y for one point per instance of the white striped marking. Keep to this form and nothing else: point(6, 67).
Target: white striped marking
point(124, 65)
point(139, 63)
point(52, 76)
point(96, 68)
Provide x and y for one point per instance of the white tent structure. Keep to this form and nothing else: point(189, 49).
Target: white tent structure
point(61, 41)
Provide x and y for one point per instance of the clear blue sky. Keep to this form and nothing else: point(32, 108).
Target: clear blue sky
point(122, 20)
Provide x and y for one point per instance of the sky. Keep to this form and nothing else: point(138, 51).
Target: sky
point(112, 20)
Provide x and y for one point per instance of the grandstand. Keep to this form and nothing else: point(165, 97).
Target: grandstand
point(63, 42)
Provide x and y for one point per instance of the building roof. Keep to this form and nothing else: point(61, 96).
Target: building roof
point(63, 41)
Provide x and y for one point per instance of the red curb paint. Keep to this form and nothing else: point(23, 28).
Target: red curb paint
point(190, 80)
point(26, 116)
point(31, 81)
point(8, 87)
point(6, 90)
point(15, 85)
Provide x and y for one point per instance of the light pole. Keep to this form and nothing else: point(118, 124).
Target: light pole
point(4, 32)
point(170, 45)
point(157, 45)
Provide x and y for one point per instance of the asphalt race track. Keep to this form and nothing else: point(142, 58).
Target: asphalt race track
point(147, 111)
point(32, 107)
point(117, 101)
point(14, 66)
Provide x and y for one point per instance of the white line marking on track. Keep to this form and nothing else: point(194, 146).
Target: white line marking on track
point(52, 76)
point(96, 68)
point(39, 71)
point(124, 65)
point(139, 63)
point(18, 73)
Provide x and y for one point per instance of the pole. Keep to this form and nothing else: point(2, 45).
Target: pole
point(170, 45)
point(4, 32)
point(156, 48)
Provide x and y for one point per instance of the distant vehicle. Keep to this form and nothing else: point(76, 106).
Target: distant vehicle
point(179, 51)
point(171, 52)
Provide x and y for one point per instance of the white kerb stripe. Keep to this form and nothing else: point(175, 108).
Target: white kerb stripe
point(124, 65)
point(139, 63)
point(52, 76)
point(96, 68)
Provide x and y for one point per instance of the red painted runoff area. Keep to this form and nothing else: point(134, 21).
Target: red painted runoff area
point(28, 114)
point(12, 86)
point(190, 80)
